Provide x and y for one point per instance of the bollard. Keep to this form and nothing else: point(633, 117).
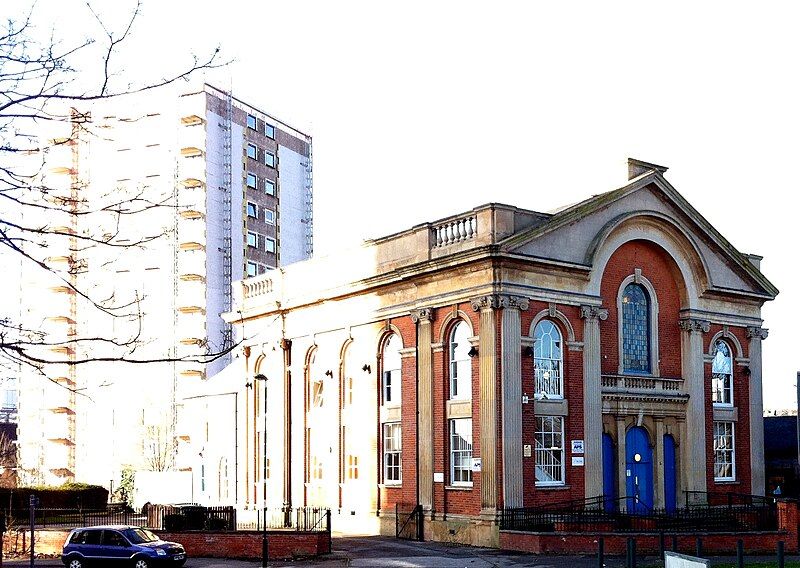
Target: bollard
point(698, 547)
point(674, 543)
point(661, 547)
point(600, 552)
point(740, 553)
point(628, 559)
point(633, 553)
point(781, 560)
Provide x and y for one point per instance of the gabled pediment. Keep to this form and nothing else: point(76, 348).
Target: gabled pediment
point(648, 206)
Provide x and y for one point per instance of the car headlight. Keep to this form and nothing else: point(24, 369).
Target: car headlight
point(161, 552)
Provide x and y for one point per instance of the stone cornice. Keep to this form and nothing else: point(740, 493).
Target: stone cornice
point(594, 313)
point(757, 333)
point(692, 324)
point(421, 315)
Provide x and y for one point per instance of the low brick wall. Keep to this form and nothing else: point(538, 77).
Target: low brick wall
point(244, 545)
point(616, 543)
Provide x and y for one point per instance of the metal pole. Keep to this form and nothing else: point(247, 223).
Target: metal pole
point(781, 560)
point(661, 545)
point(698, 547)
point(674, 543)
point(32, 507)
point(264, 541)
point(740, 553)
point(600, 552)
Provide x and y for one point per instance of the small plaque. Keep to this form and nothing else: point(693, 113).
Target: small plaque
point(476, 464)
point(577, 461)
point(526, 450)
point(438, 477)
point(577, 446)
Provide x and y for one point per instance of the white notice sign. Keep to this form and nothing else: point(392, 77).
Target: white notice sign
point(438, 477)
point(577, 460)
point(577, 446)
point(476, 464)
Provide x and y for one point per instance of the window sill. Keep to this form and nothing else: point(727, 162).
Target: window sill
point(390, 485)
point(552, 487)
point(727, 482)
point(458, 487)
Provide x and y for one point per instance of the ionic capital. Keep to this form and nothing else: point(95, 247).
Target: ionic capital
point(514, 302)
point(692, 324)
point(421, 315)
point(594, 313)
point(484, 303)
point(757, 333)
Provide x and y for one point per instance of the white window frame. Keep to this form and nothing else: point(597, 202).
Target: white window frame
point(543, 362)
point(269, 159)
point(391, 380)
point(269, 130)
point(252, 239)
point(268, 183)
point(247, 269)
point(269, 216)
point(252, 151)
point(726, 389)
point(254, 179)
point(254, 209)
point(544, 447)
point(731, 451)
point(392, 432)
point(269, 244)
point(252, 122)
point(460, 455)
point(460, 363)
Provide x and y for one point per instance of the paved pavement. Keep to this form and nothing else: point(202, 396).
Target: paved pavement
point(386, 552)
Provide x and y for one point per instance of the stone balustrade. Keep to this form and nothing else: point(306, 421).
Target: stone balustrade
point(455, 231)
point(257, 286)
point(619, 383)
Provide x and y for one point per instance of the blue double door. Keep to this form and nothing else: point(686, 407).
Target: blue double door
point(638, 471)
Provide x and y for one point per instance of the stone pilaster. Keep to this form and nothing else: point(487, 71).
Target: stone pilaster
point(487, 341)
point(511, 392)
point(592, 402)
point(658, 474)
point(757, 476)
point(693, 368)
point(622, 452)
point(422, 318)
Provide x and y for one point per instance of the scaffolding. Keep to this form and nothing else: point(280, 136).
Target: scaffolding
point(227, 190)
point(308, 218)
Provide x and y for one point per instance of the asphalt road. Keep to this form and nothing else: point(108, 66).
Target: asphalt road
point(386, 552)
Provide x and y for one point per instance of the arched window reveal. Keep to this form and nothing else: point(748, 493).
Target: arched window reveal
point(722, 374)
point(460, 363)
point(548, 360)
point(635, 330)
point(391, 370)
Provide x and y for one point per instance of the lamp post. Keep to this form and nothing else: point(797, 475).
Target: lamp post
point(264, 542)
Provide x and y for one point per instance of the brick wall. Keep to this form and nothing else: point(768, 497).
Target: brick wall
point(240, 545)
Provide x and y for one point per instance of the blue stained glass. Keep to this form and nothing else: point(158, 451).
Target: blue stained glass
point(635, 330)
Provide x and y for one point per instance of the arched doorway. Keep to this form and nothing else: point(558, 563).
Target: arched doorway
point(670, 481)
point(638, 470)
point(609, 474)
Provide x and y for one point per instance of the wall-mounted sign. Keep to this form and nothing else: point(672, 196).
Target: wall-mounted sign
point(526, 450)
point(438, 477)
point(577, 446)
point(577, 460)
point(476, 464)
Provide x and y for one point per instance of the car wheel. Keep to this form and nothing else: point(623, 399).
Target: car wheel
point(75, 563)
point(141, 563)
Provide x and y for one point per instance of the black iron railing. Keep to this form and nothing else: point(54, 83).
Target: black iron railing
point(408, 521)
point(309, 519)
point(702, 513)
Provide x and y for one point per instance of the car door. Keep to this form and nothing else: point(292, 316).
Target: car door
point(115, 546)
point(91, 544)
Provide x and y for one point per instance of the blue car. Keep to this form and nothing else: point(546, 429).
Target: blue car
point(119, 545)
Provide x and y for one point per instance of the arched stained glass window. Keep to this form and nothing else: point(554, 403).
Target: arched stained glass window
point(635, 330)
point(722, 374)
point(548, 360)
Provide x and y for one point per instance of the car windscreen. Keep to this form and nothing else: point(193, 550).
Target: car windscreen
point(138, 536)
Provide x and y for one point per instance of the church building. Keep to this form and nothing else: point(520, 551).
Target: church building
point(499, 358)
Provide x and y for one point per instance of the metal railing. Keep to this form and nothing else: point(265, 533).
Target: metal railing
point(408, 521)
point(307, 519)
point(710, 513)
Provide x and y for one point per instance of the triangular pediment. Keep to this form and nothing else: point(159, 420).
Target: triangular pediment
point(574, 234)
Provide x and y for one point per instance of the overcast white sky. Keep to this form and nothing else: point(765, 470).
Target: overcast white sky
point(422, 109)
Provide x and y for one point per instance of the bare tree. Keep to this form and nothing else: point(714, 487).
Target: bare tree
point(47, 227)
